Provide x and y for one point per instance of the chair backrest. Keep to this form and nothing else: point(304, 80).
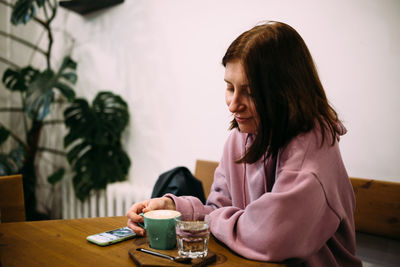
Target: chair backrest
point(377, 207)
point(12, 205)
point(204, 171)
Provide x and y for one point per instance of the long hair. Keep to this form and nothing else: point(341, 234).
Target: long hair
point(287, 92)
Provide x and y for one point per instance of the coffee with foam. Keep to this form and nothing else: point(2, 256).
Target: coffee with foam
point(162, 214)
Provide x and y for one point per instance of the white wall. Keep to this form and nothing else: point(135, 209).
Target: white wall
point(164, 57)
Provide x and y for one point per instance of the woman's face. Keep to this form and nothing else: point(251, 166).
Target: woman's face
point(238, 97)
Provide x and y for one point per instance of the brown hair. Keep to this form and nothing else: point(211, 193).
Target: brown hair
point(285, 87)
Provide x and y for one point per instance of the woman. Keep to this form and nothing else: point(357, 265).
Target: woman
point(281, 191)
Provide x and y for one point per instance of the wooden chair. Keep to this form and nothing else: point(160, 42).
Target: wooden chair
point(204, 171)
point(377, 207)
point(12, 206)
point(377, 221)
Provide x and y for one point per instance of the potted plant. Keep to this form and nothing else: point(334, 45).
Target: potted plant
point(92, 144)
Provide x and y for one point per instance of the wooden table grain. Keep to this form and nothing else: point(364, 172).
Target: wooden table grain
point(63, 243)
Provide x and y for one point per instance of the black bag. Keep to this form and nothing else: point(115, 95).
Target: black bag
point(180, 182)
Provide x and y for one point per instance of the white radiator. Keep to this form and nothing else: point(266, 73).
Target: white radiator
point(114, 201)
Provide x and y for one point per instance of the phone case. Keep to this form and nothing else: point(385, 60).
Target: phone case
point(111, 237)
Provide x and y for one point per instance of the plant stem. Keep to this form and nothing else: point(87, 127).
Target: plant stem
point(24, 117)
point(29, 168)
point(49, 31)
point(50, 36)
point(24, 42)
point(54, 9)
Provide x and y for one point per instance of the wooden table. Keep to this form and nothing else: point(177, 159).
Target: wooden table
point(63, 243)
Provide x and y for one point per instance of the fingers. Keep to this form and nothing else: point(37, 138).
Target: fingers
point(150, 204)
point(144, 206)
point(156, 204)
point(137, 208)
point(134, 217)
point(136, 228)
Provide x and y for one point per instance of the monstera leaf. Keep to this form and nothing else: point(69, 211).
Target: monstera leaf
point(56, 176)
point(12, 162)
point(40, 92)
point(93, 142)
point(24, 10)
point(19, 80)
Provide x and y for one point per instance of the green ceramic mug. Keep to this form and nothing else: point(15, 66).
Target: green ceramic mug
point(160, 228)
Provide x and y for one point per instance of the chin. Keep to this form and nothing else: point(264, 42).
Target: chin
point(246, 130)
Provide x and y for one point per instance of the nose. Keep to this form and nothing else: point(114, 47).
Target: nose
point(236, 103)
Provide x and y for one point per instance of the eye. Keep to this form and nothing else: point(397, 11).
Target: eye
point(245, 89)
point(230, 88)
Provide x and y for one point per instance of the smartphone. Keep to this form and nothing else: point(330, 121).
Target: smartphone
point(111, 237)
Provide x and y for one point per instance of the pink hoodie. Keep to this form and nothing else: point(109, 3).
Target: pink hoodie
point(307, 218)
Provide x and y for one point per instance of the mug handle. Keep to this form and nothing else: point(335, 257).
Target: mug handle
point(141, 224)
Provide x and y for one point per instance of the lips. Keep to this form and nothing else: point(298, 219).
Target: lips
point(242, 119)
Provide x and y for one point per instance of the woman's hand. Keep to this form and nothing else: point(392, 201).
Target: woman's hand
point(162, 203)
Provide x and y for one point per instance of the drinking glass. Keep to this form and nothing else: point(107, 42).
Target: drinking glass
point(192, 236)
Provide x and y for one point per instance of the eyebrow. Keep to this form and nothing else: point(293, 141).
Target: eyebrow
point(242, 85)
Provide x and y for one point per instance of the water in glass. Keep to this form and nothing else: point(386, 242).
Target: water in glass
point(192, 238)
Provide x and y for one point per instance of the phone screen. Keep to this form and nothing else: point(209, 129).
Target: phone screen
point(112, 236)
